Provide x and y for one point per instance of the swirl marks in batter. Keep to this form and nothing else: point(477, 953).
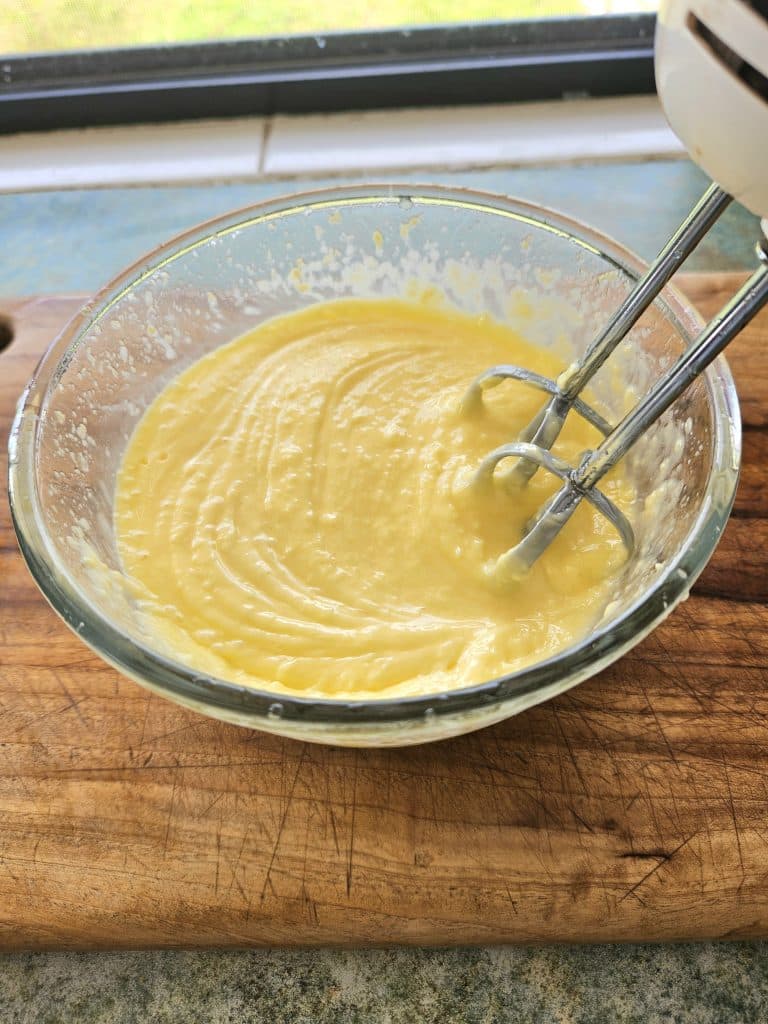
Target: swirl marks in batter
point(295, 513)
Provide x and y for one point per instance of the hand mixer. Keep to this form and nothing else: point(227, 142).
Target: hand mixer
point(712, 78)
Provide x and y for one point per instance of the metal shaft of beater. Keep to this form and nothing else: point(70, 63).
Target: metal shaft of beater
point(735, 315)
point(722, 329)
point(545, 427)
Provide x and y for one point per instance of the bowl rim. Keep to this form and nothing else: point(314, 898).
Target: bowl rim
point(183, 683)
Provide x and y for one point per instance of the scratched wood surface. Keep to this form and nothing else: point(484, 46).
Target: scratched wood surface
point(633, 807)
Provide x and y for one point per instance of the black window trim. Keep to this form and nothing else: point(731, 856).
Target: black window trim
point(492, 62)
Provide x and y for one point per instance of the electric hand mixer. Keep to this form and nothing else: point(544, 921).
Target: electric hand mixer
point(712, 78)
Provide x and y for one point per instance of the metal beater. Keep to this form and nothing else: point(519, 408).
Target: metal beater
point(712, 78)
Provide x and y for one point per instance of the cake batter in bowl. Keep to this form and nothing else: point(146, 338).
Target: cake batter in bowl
point(367, 625)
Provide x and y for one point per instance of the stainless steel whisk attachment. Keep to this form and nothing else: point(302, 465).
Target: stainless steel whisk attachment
point(531, 450)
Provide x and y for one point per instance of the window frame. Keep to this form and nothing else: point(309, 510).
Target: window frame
point(490, 62)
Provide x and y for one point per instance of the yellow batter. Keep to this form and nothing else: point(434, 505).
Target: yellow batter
point(296, 512)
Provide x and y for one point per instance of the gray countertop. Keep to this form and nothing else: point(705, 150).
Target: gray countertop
point(684, 984)
point(73, 242)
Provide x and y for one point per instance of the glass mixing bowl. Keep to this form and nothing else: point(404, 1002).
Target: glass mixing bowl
point(554, 280)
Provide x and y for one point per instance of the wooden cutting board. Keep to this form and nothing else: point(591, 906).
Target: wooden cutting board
point(633, 807)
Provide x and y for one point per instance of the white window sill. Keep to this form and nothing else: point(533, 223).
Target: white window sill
point(347, 143)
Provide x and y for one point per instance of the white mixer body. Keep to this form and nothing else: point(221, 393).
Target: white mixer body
point(712, 79)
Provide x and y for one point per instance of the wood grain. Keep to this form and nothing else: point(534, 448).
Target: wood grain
point(633, 807)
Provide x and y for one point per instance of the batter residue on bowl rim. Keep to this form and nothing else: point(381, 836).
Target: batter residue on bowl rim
point(296, 514)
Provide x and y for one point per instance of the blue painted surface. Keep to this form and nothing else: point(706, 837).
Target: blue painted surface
point(75, 241)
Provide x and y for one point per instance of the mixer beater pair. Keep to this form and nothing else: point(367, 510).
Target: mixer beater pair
point(579, 483)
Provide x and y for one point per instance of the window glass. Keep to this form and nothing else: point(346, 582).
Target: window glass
point(34, 26)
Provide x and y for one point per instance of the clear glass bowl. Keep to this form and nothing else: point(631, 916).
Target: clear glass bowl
point(553, 279)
